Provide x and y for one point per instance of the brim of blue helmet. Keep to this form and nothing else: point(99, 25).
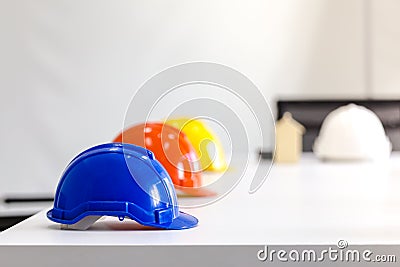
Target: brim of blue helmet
point(183, 221)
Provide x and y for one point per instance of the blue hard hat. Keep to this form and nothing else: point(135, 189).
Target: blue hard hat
point(121, 180)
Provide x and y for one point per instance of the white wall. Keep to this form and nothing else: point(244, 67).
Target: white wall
point(385, 52)
point(69, 68)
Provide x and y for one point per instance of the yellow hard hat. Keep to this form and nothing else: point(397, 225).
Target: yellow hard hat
point(201, 136)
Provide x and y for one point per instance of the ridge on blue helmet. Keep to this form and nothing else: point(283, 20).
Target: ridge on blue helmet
point(120, 180)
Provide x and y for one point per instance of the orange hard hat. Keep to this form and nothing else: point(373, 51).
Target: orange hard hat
point(173, 150)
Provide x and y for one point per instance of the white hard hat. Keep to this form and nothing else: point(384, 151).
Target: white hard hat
point(352, 132)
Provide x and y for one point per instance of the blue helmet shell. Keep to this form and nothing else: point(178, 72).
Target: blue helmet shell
point(120, 180)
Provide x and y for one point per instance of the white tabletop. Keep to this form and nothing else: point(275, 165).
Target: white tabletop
point(307, 203)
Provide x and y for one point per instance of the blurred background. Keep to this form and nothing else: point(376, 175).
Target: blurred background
point(68, 69)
